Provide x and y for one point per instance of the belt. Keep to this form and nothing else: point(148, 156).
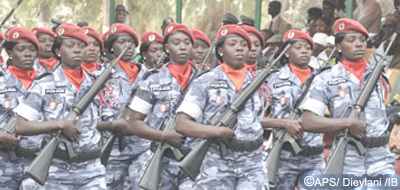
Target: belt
point(81, 156)
point(373, 142)
point(244, 145)
point(306, 150)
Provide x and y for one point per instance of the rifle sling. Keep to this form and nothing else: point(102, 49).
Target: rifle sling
point(373, 142)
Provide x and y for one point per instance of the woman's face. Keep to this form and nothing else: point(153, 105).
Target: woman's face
point(71, 53)
point(255, 51)
point(153, 53)
point(120, 44)
point(23, 55)
point(92, 50)
point(178, 46)
point(353, 46)
point(329, 48)
point(300, 54)
point(234, 50)
point(321, 27)
point(199, 51)
point(45, 44)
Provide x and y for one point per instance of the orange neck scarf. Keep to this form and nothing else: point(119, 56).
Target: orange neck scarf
point(48, 63)
point(357, 68)
point(237, 76)
point(302, 74)
point(181, 73)
point(252, 67)
point(130, 68)
point(26, 77)
point(90, 67)
point(76, 77)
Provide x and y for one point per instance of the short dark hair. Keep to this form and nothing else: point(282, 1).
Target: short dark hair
point(218, 45)
point(56, 45)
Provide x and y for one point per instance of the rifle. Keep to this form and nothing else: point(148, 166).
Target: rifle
point(159, 62)
point(282, 137)
point(10, 129)
point(336, 161)
point(191, 164)
point(107, 147)
point(39, 167)
point(10, 13)
point(151, 176)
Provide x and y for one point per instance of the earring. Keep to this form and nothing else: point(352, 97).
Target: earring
point(144, 58)
point(222, 54)
point(340, 51)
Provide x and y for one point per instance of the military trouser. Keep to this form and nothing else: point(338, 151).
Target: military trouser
point(65, 176)
point(11, 173)
point(243, 173)
point(291, 167)
point(121, 166)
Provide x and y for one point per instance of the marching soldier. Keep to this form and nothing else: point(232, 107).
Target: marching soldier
point(337, 89)
point(156, 100)
point(115, 96)
point(151, 49)
point(200, 48)
point(45, 61)
point(91, 58)
point(242, 167)
point(22, 47)
point(288, 85)
point(50, 100)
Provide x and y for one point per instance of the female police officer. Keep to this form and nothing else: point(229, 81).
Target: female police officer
point(242, 167)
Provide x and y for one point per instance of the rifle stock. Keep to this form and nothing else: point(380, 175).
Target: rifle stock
point(107, 147)
point(191, 164)
point(336, 162)
point(35, 170)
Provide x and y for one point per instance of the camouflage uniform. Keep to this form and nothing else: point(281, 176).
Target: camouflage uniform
point(51, 98)
point(338, 89)
point(287, 89)
point(157, 97)
point(38, 67)
point(238, 169)
point(11, 173)
point(132, 158)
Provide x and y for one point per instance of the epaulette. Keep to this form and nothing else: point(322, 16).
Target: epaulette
point(41, 75)
point(323, 69)
point(202, 72)
point(148, 73)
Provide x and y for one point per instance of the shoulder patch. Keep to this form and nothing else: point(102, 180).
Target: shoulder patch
point(220, 84)
point(337, 81)
point(40, 76)
point(148, 73)
point(282, 84)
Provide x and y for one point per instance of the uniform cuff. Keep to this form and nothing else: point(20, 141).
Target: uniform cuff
point(27, 112)
point(315, 106)
point(191, 109)
point(140, 105)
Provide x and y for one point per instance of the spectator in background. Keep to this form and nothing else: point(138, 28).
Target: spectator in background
point(313, 13)
point(323, 25)
point(369, 14)
point(120, 14)
point(278, 24)
point(229, 18)
point(165, 23)
point(246, 20)
point(328, 9)
point(319, 40)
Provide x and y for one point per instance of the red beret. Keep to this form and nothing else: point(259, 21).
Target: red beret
point(119, 28)
point(177, 27)
point(231, 29)
point(294, 34)
point(344, 25)
point(16, 34)
point(199, 35)
point(151, 37)
point(72, 30)
point(92, 32)
point(38, 31)
point(1, 36)
point(250, 29)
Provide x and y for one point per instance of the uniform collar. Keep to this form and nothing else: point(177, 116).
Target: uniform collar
point(339, 71)
point(221, 76)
